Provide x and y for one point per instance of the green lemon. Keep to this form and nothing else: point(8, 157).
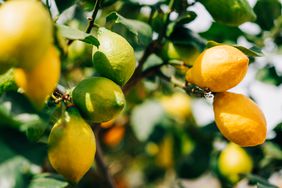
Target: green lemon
point(114, 58)
point(26, 33)
point(72, 146)
point(230, 12)
point(99, 99)
point(234, 161)
point(186, 53)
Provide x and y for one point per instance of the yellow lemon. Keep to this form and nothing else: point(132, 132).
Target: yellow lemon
point(239, 119)
point(177, 105)
point(72, 146)
point(26, 33)
point(186, 53)
point(233, 161)
point(219, 68)
point(99, 99)
point(165, 155)
point(42, 80)
point(114, 58)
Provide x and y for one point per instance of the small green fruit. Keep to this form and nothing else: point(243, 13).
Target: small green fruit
point(99, 99)
point(114, 59)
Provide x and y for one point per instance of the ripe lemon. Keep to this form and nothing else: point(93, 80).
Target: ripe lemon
point(234, 161)
point(99, 99)
point(26, 33)
point(219, 68)
point(239, 119)
point(41, 81)
point(72, 146)
point(177, 105)
point(186, 53)
point(231, 12)
point(114, 58)
point(165, 155)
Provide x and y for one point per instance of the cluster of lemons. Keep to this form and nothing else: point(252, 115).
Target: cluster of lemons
point(239, 119)
point(26, 31)
point(26, 45)
point(97, 99)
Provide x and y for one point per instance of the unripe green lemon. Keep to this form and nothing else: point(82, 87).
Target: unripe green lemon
point(234, 161)
point(186, 53)
point(72, 146)
point(41, 81)
point(230, 12)
point(239, 119)
point(99, 99)
point(114, 58)
point(26, 33)
point(219, 68)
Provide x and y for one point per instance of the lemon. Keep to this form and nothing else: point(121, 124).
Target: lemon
point(72, 146)
point(219, 68)
point(231, 12)
point(99, 99)
point(177, 105)
point(114, 58)
point(42, 80)
point(186, 53)
point(234, 161)
point(26, 33)
point(239, 119)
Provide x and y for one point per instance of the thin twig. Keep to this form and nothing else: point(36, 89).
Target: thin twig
point(91, 19)
point(99, 159)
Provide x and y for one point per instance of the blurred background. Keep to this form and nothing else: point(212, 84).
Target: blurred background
point(164, 138)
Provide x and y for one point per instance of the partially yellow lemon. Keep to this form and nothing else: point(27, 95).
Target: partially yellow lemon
point(42, 80)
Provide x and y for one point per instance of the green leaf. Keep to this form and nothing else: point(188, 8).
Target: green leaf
point(16, 112)
point(269, 75)
point(254, 179)
point(136, 32)
point(221, 33)
point(267, 11)
point(231, 12)
point(187, 17)
point(75, 34)
point(259, 185)
point(145, 117)
point(63, 5)
point(252, 52)
point(47, 181)
point(7, 82)
point(14, 172)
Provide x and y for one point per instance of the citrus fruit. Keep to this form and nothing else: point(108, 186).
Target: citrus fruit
point(231, 12)
point(233, 161)
point(114, 58)
point(239, 119)
point(26, 33)
point(99, 99)
point(186, 53)
point(177, 105)
point(165, 155)
point(72, 146)
point(42, 80)
point(219, 68)
point(114, 136)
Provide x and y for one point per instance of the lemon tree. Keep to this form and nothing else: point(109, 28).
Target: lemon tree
point(110, 93)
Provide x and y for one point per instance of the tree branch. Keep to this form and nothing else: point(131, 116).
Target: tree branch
point(99, 159)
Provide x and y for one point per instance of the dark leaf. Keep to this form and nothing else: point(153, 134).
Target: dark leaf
point(254, 179)
point(269, 75)
point(267, 11)
point(65, 4)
